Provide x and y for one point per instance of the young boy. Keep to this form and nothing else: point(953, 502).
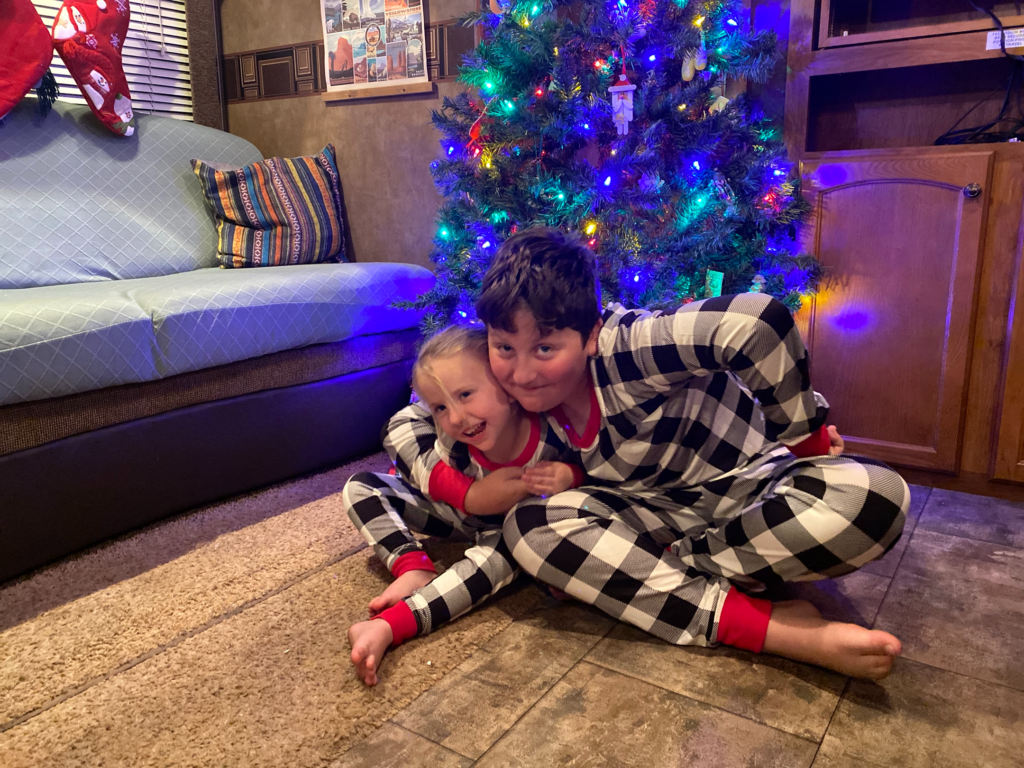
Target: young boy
point(705, 422)
point(486, 454)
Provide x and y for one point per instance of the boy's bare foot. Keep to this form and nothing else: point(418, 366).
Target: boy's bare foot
point(797, 631)
point(370, 640)
point(400, 589)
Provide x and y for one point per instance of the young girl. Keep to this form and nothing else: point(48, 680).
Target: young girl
point(494, 454)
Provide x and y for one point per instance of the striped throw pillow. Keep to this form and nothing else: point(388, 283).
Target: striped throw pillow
point(277, 211)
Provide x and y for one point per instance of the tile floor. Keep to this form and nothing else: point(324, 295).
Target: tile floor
point(566, 686)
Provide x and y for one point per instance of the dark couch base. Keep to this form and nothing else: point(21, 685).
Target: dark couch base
point(71, 493)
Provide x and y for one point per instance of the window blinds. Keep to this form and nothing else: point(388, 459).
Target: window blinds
point(155, 58)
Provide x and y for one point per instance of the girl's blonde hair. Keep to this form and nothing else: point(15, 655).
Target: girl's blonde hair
point(446, 343)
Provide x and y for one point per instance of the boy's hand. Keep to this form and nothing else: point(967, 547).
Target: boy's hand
point(837, 442)
point(497, 493)
point(548, 478)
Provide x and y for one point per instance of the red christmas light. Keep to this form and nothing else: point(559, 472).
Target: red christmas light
point(539, 92)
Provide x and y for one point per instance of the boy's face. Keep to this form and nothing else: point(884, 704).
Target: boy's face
point(466, 401)
point(540, 371)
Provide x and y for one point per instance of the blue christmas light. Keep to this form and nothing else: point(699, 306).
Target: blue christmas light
point(586, 126)
point(780, 173)
point(450, 150)
point(732, 23)
point(608, 181)
point(444, 232)
point(561, 196)
point(636, 278)
point(487, 244)
point(652, 57)
point(696, 164)
point(463, 314)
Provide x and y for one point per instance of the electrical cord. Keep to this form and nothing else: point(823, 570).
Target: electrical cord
point(983, 134)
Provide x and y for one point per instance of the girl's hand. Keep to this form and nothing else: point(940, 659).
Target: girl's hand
point(548, 478)
point(837, 442)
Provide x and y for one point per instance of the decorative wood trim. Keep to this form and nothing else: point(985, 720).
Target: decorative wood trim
point(373, 93)
point(445, 43)
point(968, 46)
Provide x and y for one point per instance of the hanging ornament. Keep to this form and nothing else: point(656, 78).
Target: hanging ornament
point(725, 193)
point(622, 104)
point(713, 284)
point(701, 60)
point(689, 68)
point(757, 286)
point(720, 101)
point(496, 6)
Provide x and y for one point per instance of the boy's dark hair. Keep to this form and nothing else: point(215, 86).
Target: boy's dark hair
point(547, 272)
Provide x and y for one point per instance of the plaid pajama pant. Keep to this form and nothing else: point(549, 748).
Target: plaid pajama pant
point(663, 560)
point(386, 509)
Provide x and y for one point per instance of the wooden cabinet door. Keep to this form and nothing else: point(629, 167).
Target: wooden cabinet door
point(889, 333)
point(1009, 463)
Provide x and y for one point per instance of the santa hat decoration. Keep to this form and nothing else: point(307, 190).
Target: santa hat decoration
point(88, 35)
point(25, 54)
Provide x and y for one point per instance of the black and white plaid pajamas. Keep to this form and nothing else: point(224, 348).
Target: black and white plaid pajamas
point(387, 509)
point(694, 405)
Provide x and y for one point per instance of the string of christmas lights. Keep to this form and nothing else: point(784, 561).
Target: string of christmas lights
point(681, 191)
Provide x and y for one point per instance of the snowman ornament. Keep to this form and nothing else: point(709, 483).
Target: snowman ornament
point(622, 104)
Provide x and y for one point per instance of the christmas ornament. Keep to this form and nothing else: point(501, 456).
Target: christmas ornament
point(720, 101)
point(622, 104)
point(757, 285)
point(701, 59)
point(25, 54)
point(713, 284)
point(88, 35)
point(689, 68)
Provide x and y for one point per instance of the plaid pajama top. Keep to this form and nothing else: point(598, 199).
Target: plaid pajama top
point(416, 447)
point(674, 392)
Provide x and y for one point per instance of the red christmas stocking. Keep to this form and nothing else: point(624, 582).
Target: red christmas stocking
point(25, 54)
point(88, 35)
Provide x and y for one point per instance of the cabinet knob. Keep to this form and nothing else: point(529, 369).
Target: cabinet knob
point(972, 191)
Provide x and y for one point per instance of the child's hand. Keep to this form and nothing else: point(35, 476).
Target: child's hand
point(497, 493)
point(837, 442)
point(548, 478)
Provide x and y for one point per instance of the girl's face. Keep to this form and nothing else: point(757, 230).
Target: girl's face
point(467, 402)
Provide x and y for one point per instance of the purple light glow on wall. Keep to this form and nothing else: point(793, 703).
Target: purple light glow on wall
point(853, 320)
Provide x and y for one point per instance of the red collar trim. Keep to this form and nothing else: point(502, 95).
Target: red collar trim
point(522, 458)
point(593, 423)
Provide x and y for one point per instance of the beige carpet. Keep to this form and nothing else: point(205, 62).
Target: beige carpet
point(214, 638)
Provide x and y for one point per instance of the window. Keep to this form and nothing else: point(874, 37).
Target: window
point(155, 58)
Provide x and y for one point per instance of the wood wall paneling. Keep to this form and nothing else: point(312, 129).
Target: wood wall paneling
point(890, 334)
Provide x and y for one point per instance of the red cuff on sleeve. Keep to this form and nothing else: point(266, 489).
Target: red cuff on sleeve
point(744, 621)
point(577, 476)
point(402, 622)
point(816, 444)
point(412, 561)
point(449, 485)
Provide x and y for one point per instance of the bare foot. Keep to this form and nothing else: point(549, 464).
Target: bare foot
point(370, 640)
point(400, 589)
point(797, 631)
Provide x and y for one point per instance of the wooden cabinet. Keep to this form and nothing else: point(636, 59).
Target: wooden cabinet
point(1009, 459)
point(889, 334)
point(917, 335)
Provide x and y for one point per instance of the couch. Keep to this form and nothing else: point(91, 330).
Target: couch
point(137, 377)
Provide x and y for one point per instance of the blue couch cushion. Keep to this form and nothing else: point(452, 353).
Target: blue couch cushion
point(72, 338)
point(78, 203)
point(58, 340)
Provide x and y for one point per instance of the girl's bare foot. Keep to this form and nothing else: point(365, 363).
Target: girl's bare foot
point(797, 631)
point(400, 589)
point(370, 640)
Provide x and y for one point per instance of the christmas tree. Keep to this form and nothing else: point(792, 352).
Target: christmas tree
point(610, 118)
